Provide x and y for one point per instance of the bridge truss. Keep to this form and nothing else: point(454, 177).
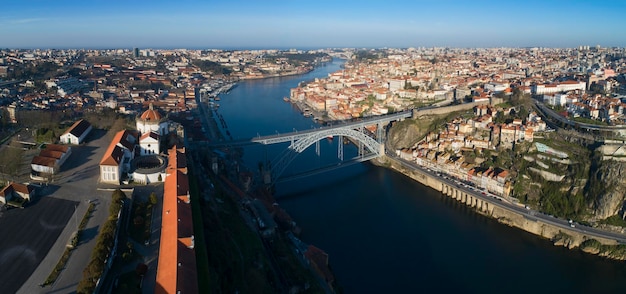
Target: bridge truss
point(279, 165)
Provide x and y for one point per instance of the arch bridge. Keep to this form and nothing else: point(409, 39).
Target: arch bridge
point(302, 140)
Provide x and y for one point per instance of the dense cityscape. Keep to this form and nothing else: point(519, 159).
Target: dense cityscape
point(312, 147)
point(581, 85)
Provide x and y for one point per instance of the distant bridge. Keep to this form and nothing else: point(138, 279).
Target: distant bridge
point(301, 140)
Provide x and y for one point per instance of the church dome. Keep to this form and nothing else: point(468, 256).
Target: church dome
point(151, 114)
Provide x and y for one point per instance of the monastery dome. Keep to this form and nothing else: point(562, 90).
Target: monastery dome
point(151, 114)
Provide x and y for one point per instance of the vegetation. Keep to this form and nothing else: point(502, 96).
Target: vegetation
point(129, 283)
point(368, 55)
point(43, 70)
point(202, 260)
point(210, 66)
point(235, 260)
point(8, 160)
point(611, 251)
point(590, 121)
point(108, 119)
point(141, 216)
point(104, 245)
point(615, 220)
point(563, 199)
point(68, 250)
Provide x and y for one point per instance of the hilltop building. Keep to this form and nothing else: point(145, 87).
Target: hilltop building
point(134, 155)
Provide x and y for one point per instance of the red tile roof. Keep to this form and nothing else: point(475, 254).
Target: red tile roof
point(151, 114)
point(114, 153)
point(44, 161)
point(56, 147)
point(16, 187)
point(176, 270)
point(51, 153)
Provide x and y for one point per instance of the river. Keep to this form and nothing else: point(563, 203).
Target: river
point(385, 233)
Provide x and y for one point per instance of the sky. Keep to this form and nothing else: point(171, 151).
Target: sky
point(238, 24)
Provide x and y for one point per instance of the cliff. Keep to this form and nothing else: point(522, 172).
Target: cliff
point(404, 134)
point(607, 188)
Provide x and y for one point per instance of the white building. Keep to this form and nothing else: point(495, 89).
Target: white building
point(149, 144)
point(397, 84)
point(49, 160)
point(558, 87)
point(116, 160)
point(555, 99)
point(152, 121)
point(16, 190)
point(76, 133)
point(495, 87)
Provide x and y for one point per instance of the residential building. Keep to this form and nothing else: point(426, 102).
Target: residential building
point(16, 192)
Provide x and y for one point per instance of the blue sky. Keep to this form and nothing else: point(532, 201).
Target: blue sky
point(309, 24)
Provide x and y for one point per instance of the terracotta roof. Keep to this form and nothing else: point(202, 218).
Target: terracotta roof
point(78, 128)
point(20, 188)
point(44, 161)
point(114, 153)
point(177, 160)
point(151, 114)
point(176, 271)
point(51, 153)
point(56, 147)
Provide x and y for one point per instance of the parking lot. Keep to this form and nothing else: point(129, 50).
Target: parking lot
point(53, 209)
point(27, 235)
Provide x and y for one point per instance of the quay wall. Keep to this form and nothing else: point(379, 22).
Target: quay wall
point(558, 235)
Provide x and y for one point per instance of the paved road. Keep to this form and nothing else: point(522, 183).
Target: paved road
point(528, 213)
point(77, 181)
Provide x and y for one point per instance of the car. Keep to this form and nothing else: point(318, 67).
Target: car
point(572, 225)
point(527, 207)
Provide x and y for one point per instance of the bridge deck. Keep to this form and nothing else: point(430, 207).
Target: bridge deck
point(292, 136)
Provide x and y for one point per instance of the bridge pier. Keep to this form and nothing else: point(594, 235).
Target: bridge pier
point(340, 148)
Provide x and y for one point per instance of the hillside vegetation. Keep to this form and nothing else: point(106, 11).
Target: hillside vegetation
point(581, 185)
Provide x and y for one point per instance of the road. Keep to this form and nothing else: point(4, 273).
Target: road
point(77, 181)
point(504, 204)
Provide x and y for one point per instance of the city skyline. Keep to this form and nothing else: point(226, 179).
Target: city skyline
point(319, 24)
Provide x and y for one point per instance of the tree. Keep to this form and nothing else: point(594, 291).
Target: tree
point(153, 198)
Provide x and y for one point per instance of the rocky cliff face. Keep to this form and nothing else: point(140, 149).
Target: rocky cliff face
point(608, 188)
point(406, 133)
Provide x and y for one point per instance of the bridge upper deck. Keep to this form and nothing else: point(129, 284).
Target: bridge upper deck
point(293, 136)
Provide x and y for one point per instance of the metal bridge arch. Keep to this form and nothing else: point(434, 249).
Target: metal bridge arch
point(286, 157)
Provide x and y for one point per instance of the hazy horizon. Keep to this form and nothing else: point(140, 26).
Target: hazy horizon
point(241, 24)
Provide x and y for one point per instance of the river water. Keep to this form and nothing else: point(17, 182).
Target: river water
point(385, 233)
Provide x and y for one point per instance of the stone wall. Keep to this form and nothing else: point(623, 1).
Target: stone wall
point(559, 236)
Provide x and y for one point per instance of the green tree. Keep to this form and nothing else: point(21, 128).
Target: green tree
point(153, 199)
